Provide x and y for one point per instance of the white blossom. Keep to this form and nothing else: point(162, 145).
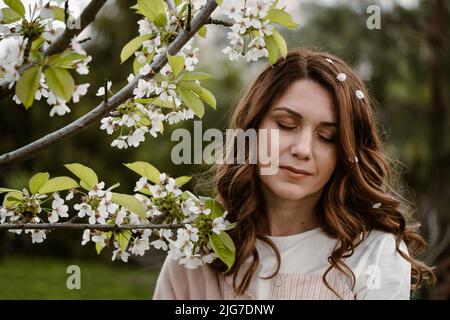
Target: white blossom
point(38, 236)
point(101, 90)
point(80, 90)
point(159, 244)
point(139, 247)
point(218, 225)
point(120, 254)
point(141, 184)
point(86, 237)
point(120, 143)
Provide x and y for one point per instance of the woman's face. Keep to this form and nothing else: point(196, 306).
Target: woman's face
point(307, 124)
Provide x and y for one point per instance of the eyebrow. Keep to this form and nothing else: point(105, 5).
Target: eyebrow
point(299, 116)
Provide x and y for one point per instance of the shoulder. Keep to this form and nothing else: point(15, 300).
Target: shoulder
point(383, 243)
point(175, 281)
point(381, 271)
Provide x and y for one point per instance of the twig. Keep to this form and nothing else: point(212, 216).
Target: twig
point(31, 149)
point(219, 22)
point(188, 21)
point(66, 11)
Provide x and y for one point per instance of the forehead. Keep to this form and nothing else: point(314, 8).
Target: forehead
point(309, 99)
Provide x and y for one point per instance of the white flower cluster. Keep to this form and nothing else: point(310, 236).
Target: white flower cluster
point(97, 205)
point(248, 21)
point(13, 57)
point(134, 120)
point(26, 210)
point(190, 244)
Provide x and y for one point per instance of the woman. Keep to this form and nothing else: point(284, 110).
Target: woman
point(328, 224)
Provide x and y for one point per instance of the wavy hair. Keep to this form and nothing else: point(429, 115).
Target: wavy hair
point(345, 208)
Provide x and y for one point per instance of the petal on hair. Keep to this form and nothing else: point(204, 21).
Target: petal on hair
point(359, 94)
point(341, 76)
point(329, 60)
point(376, 205)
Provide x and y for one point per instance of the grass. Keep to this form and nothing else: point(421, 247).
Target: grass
point(45, 278)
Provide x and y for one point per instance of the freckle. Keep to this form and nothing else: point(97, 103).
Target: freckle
point(302, 222)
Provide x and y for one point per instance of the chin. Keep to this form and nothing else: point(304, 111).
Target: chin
point(290, 192)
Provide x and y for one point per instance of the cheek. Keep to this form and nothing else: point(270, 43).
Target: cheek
point(326, 162)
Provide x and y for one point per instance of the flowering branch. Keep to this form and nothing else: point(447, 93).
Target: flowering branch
point(30, 150)
point(84, 226)
point(192, 229)
point(87, 16)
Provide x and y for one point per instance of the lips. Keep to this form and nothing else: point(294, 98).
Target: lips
point(295, 171)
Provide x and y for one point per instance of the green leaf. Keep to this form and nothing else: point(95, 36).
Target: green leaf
point(65, 60)
point(203, 93)
point(58, 184)
point(37, 181)
point(281, 44)
point(144, 169)
point(216, 209)
point(85, 186)
point(3, 190)
point(272, 48)
point(58, 13)
point(27, 85)
point(10, 16)
point(182, 180)
point(281, 17)
point(85, 174)
point(16, 5)
point(187, 194)
point(195, 75)
point(223, 246)
point(202, 31)
point(154, 10)
point(157, 102)
point(129, 202)
point(131, 47)
point(208, 97)
point(98, 247)
point(192, 101)
point(219, 2)
point(176, 63)
point(37, 43)
point(123, 238)
point(231, 226)
point(60, 81)
point(11, 198)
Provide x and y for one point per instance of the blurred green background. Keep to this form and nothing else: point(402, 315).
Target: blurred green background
point(406, 66)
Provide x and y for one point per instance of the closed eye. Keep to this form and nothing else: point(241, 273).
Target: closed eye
point(327, 138)
point(285, 127)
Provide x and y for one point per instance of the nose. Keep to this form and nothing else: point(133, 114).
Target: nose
point(302, 144)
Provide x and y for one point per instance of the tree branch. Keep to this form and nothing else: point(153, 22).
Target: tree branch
point(171, 5)
point(87, 16)
point(30, 150)
point(84, 226)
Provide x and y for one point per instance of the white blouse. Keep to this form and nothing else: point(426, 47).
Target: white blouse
point(380, 271)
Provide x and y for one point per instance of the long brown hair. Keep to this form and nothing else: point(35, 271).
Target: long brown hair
point(362, 178)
